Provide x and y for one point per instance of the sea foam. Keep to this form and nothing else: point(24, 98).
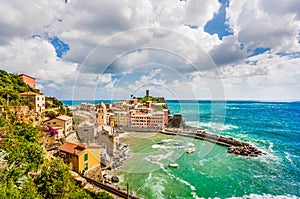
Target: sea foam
point(266, 196)
point(212, 125)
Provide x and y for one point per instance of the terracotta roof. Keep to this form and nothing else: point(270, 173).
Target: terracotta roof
point(26, 75)
point(29, 93)
point(72, 148)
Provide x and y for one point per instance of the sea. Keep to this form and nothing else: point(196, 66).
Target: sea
point(211, 172)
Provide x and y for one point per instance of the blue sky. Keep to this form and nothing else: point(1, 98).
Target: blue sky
point(60, 47)
point(226, 49)
point(218, 25)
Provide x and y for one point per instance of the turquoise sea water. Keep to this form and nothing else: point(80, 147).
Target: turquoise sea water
point(210, 172)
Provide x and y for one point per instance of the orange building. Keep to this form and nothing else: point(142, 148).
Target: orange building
point(28, 80)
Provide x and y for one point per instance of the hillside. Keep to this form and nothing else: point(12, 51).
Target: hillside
point(26, 171)
point(11, 85)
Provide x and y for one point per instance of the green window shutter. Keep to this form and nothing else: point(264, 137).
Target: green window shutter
point(86, 157)
point(86, 166)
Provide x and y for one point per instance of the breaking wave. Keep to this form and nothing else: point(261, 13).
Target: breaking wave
point(212, 125)
point(266, 196)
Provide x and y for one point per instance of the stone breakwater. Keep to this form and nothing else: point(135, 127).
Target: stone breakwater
point(234, 146)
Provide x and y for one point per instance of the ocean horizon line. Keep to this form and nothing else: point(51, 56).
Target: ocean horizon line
point(195, 100)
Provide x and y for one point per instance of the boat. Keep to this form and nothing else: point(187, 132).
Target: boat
point(190, 150)
point(154, 159)
point(160, 142)
point(177, 144)
point(173, 165)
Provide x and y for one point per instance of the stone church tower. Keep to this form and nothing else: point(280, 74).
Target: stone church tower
point(101, 114)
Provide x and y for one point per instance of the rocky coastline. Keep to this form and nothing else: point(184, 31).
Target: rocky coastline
point(177, 126)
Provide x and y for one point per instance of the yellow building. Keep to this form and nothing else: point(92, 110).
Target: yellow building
point(80, 156)
point(121, 118)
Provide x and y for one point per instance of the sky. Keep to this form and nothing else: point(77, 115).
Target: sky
point(179, 49)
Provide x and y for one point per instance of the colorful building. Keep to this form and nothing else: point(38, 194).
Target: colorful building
point(148, 118)
point(28, 80)
point(159, 119)
point(81, 157)
point(121, 118)
point(139, 119)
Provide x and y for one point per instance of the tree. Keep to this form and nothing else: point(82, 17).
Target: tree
point(55, 181)
point(102, 195)
point(22, 188)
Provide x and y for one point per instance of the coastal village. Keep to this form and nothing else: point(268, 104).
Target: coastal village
point(87, 137)
point(179, 99)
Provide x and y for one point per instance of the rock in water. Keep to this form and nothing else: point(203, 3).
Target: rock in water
point(115, 179)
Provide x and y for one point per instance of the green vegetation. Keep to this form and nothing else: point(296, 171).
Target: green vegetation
point(145, 99)
point(152, 99)
point(26, 173)
point(52, 102)
point(23, 155)
point(55, 181)
point(11, 86)
point(55, 108)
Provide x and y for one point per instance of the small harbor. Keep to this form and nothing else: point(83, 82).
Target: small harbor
point(234, 146)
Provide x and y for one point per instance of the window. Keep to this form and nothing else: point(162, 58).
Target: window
point(86, 166)
point(54, 122)
point(38, 98)
point(86, 157)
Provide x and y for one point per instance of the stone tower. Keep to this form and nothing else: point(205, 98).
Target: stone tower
point(101, 114)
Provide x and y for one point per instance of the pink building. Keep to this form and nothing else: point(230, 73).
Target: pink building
point(28, 80)
point(144, 119)
point(159, 119)
point(139, 119)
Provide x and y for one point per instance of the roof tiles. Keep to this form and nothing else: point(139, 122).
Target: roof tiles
point(72, 148)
